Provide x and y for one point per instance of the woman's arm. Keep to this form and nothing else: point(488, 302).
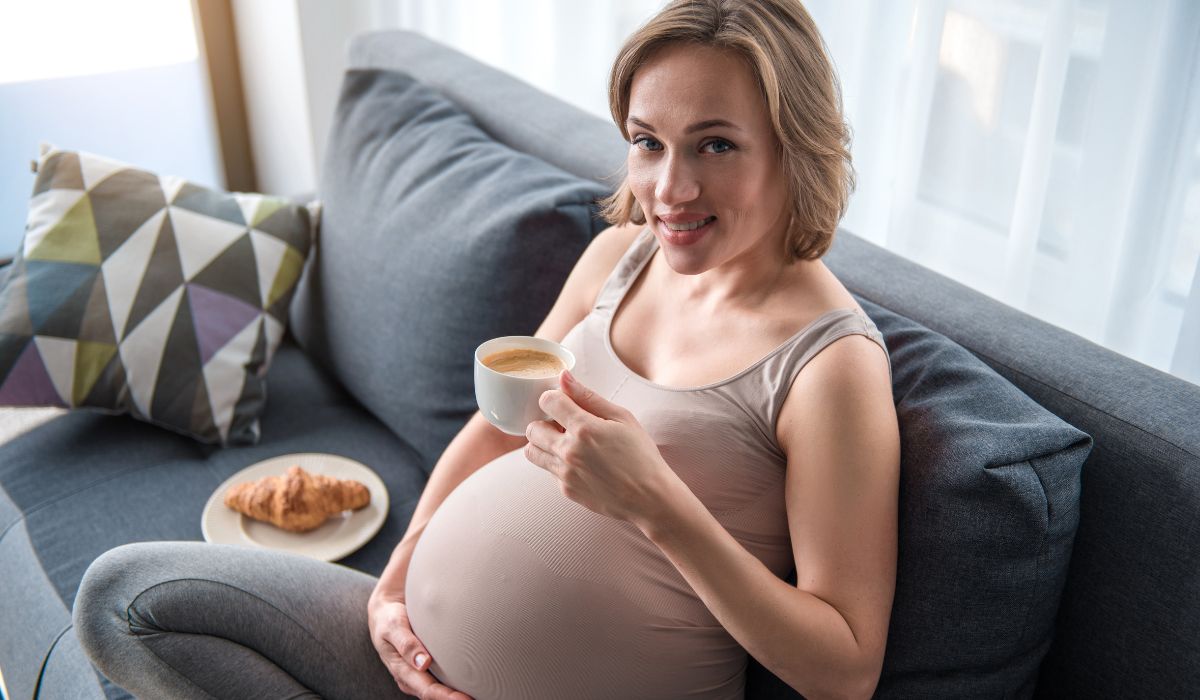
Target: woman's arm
point(479, 442)
point(387, 614)
point(826, 636)
point(474, 446)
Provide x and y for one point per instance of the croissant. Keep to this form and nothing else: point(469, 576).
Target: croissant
point(297, 501)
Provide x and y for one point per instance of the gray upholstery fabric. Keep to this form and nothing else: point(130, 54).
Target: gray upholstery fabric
point(434, 238)
point(511, 111)
point(85, 482)
point(1129, 621)
point(989, 506)
point(1129, 624)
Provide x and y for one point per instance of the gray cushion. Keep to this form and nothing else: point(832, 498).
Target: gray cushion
point(87, 482)
point(989, 506)
point(989, 509)
point(1129, 622)
point(509, 109)
point(434, 238)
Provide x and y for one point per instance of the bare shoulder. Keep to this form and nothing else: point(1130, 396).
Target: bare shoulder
point(583, 285)
point(849, 380)
point(598, 262)
point(609, 245)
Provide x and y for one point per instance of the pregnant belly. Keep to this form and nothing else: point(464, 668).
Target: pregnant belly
point(519, 592)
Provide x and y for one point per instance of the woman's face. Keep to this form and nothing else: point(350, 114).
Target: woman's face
point(703, 160)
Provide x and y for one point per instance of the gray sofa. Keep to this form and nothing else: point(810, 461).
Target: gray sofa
point(1114, 583)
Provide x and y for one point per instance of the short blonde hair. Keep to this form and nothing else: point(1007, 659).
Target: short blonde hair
point(780, 43)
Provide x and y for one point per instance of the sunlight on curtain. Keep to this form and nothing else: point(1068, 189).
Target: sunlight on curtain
point(1044, 152)
point(564, 47)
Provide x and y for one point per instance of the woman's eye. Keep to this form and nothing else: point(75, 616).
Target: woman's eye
point(719, 145)
point(646, 143)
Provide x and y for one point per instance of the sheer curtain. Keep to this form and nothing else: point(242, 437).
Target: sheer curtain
point(1044, 152)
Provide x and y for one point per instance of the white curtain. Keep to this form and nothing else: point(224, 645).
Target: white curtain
point(1044, 152)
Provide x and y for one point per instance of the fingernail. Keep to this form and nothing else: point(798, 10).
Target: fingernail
point(421, 660)
point(567, 377)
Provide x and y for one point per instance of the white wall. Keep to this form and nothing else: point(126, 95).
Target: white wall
point(325, 32)
point(293, 54)
point(277, 95)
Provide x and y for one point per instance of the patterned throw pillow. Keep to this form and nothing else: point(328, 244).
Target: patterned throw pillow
point(149, 295)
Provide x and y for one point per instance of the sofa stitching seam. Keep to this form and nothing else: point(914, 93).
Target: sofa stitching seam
point(1043, 552)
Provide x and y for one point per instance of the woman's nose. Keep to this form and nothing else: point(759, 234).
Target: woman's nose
point(677, 183)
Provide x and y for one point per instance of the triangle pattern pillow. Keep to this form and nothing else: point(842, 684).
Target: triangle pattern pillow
point(149, 295)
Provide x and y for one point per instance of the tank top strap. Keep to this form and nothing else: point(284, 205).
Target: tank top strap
point(764, 394)
point(626, 271)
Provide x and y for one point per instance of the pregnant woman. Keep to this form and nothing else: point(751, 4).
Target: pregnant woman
point(730, 416)
point(729, 421)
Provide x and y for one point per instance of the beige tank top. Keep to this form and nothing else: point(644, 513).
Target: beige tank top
point(519, 592)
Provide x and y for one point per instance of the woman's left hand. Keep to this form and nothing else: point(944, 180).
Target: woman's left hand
point(603, 458)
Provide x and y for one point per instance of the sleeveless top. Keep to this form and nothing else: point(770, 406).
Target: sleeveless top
point(519, 592)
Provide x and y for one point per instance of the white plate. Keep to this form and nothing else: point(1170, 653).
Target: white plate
point(336, 538)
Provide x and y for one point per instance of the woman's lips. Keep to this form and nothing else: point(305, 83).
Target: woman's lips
point(682, 238)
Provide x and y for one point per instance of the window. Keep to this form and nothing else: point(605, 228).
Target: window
point(122, 79)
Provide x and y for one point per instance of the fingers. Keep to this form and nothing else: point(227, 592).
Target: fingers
point(562, 408)
point(589, 401)
point(406, 659)
point(437, 691)
point(541, 458)
point(418, 683)
point(544, 433)
point(415, 653)
point(404, 642)
point(407, 678)
point(546, 442)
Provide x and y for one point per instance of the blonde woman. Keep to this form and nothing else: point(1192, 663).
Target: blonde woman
point(730, 421)
point(731, 417)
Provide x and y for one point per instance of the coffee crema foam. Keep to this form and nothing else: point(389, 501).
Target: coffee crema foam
point(525, 362)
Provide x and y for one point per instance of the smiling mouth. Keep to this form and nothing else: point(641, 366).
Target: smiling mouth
point(685, 234)
point(692, 226)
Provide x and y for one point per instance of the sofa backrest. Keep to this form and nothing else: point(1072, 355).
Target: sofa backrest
point(1129, 621)
point(1129, 618)
point(511, 111)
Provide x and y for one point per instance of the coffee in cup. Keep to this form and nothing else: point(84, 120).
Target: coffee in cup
point(525, 362)
point(512, 373)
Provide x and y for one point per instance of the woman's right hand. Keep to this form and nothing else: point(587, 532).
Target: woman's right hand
point(405, 656)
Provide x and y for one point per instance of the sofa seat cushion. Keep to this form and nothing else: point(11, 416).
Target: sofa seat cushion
point(86, 482)
point(434, 238)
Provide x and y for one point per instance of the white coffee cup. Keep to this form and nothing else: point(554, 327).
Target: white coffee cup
point(510, 402)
